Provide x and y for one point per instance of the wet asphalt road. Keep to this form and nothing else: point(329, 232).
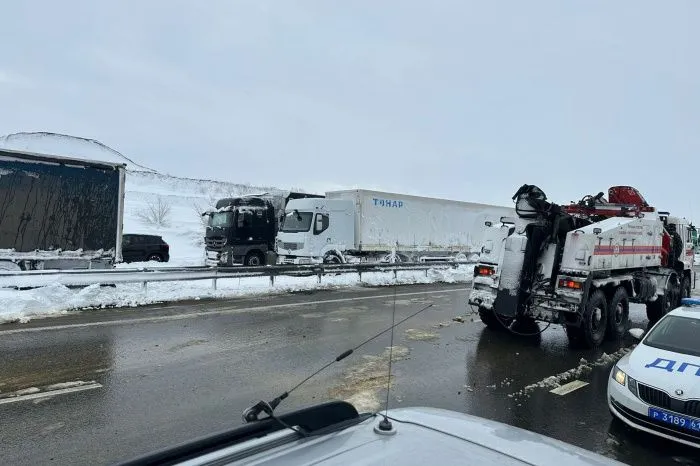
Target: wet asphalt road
point(166, 373)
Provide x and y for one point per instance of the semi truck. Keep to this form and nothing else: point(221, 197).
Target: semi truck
point(241, 230)
point(363, 225)
point(59, 212)
point(582, 265)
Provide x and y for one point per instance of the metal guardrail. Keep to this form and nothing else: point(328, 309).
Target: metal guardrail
point(38, 278)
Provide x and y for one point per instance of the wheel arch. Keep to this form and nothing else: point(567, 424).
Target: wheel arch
point(332, 251)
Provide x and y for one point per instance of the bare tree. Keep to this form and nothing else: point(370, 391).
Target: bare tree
point(155, 213)
point(198, 208)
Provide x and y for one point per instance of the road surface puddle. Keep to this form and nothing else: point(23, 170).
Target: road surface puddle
point(349, 310)
point(407, 302)
point(187, 344)
point(362, 382)
point(421, 335)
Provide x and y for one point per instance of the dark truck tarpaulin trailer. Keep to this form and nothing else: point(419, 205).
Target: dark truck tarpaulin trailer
point(59, 212)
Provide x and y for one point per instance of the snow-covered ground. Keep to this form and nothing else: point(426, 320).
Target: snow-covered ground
point(56, 299)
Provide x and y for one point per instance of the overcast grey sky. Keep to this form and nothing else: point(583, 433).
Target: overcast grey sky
point(459, 99)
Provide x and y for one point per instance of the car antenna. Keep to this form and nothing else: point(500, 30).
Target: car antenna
point(252, 414)
point(385, 426)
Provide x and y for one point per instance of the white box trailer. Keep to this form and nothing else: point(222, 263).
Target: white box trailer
point(373, 225)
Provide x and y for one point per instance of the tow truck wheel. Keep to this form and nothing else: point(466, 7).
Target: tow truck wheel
point(655, 309)
point(489, 318)
point(685, 288)
point(595, 320)
point(618, 314)
point(575, 336)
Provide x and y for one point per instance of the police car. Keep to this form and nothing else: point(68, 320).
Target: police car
point(656, 387)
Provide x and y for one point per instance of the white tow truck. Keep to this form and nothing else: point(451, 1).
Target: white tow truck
point(581, 265)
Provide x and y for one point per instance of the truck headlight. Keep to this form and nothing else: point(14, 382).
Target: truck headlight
point(619, 376)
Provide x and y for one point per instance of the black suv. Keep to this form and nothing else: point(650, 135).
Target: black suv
point(139, 248)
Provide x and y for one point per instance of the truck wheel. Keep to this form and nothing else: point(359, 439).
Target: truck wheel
point(655, 309)
point(331, 259)
point(387, 258)
point(488, 317)
point(618, 314)
point(685, 287)
point(671, 299)
point(575, 336)
point(155, 258)
point(254, 259)
point(595, 319)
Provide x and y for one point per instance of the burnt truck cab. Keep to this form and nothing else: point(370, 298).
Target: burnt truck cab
point(242, 230)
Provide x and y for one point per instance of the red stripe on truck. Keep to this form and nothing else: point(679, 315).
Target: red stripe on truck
point(625, 250)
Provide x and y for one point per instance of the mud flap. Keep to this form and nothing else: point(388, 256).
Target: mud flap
point(506, 304)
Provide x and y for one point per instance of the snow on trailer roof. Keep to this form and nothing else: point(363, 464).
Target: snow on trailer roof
point(35, 156)
point(413, 196)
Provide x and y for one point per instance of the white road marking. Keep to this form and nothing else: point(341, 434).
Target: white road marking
point(225, 311)
point(45, 394)
point(569, 387)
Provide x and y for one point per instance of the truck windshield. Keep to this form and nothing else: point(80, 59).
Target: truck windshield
point(296, 222)
point(221, 219)
point(676, 333)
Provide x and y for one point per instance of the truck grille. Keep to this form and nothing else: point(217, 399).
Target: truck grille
point(692, 408)
point(659, 398)
point(215, 243)
point(291, 246)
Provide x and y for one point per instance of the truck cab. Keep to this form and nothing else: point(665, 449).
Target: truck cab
point(685, 250)
point(315, 230)
point(240, 231)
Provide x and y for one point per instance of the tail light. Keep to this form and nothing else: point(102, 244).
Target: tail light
point(571, 284)
point(483, 271)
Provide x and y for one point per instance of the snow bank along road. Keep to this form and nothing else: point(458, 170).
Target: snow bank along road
point(54, 297)
point(96, 387)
